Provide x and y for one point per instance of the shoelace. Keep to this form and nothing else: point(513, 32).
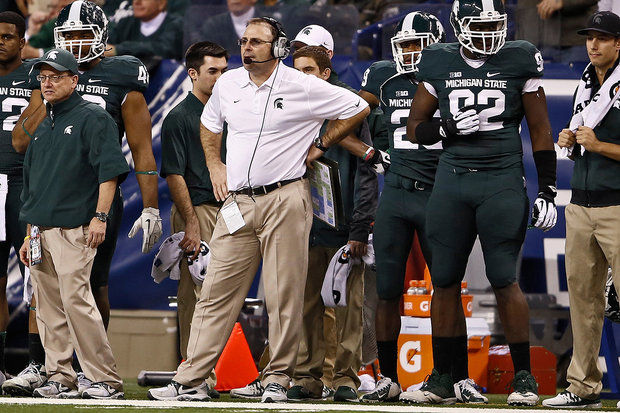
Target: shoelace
point(31, 368)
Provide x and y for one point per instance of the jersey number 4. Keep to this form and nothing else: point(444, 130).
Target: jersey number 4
point(493, 97)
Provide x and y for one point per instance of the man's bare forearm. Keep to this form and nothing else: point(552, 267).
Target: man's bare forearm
point(343, 127)
point(211, 145)
point(107, 190)
point(180, 197)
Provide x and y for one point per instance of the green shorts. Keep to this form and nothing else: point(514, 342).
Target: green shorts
point(492, 204)
point(15, 229)
point(401, 213)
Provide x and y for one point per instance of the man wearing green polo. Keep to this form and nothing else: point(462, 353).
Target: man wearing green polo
point(71, 170)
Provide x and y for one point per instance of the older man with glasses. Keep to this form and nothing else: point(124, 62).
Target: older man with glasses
point(71, 170)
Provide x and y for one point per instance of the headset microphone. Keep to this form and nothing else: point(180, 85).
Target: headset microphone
point(249, 61)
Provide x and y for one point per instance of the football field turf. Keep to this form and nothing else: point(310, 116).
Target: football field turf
point(136, 403)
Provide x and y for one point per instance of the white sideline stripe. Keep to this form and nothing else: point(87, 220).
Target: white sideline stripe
point(255, 406)
point(560, 87)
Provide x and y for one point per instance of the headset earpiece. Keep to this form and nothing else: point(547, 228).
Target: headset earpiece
point(281, 46)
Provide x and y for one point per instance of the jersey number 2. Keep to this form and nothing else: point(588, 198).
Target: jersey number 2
point(495, 98)
point(7, 107)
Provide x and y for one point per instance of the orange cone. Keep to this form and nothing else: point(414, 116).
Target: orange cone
point(236, 367)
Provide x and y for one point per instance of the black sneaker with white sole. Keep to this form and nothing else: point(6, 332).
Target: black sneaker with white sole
point(568, 400)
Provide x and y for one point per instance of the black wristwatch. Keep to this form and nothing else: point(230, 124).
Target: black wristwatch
point(318, 143)
point(101, 216)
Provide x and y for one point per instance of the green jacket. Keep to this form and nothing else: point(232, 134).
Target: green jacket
point(73, 150)
point(166, 42)
point(596, 178)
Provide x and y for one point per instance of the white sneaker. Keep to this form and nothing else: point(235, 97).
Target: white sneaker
point(26, 381)
point(102, 391)
point(253, 390)
point(177, 391)
point(384, 391)
point(466, 392)
point(525, 390)
point(55, 390)
point(568, 400)
point(83, 382)
point(274, 392)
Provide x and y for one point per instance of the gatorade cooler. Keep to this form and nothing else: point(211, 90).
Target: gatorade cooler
point(501, 372)
point(415, 350)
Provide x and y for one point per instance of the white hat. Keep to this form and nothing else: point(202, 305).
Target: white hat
point(334, 289)
point(315, 35)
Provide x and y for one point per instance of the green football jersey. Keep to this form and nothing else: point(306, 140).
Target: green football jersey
point(495, 88)
point(110, 81)
point(395, 92)
point(15, 91)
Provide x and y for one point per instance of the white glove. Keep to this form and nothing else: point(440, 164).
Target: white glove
point(380, 162)
point(150, 222)
point(544, 213)
point(466, 122)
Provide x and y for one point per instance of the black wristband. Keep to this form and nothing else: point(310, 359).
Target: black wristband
point(430, 132)
point(546, 163)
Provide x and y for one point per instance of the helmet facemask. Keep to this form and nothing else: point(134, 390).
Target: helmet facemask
point(482, 42)
point(407, 62)
point(97, 44)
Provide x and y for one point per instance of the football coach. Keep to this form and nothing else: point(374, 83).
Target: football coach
point(71, 170)
point(274, 113)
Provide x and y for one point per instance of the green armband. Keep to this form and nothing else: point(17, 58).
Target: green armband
point(24, 128)
point(146, 172)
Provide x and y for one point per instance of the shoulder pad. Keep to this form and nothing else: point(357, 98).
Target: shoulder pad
point(524, 59)
point(126, 71)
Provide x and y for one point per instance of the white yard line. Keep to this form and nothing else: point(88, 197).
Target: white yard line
point(262, 406)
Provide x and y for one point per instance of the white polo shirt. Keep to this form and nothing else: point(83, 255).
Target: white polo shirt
point(293, 116)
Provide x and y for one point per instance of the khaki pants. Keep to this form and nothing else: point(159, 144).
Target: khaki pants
point(277, 226)
point(348, 327)
point(67, 316)
point(188, 292)
point(592, 245)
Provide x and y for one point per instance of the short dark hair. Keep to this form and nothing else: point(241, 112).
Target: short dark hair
point(195, 54)
point(13, 18)
point(272, 27)
point(316, 53)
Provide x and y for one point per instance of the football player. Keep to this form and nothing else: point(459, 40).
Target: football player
point(392, 84)
point(15, 90)
point(117, 84)
point(482, 86)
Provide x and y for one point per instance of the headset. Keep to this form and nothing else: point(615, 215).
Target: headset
point(281, 46)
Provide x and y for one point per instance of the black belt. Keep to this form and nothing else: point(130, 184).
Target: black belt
point(264, 189)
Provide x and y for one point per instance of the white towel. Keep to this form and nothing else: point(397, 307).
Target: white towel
point(334, 288)
point(28, 291)
point(168, 258)
point(590, 110)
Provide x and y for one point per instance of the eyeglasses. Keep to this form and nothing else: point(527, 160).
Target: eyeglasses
point(253, 42)
point(52, 78)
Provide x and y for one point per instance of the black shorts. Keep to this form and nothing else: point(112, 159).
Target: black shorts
point(15, 229)
point(492, 204)
point(103, 260)
point(401, 213)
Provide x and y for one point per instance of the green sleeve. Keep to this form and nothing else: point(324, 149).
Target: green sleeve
point(173, 148)
point(374, 76)
point(531, 60)
point(105, 155)
point(26, 174)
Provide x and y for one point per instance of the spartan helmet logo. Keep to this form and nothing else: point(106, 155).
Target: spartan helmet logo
point(597, 20)
point(278, 103)
point(307, 30)
point(52, 55)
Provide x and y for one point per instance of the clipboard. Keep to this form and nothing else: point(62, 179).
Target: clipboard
point(326, 191)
